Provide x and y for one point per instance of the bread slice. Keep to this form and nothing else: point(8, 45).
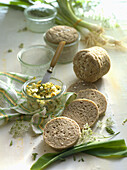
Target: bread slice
point(82, 111)
point(80, 85)
point(61, 133)
point(95, 96)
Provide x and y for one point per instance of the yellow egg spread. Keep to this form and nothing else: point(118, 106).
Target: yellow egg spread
point(46, 90)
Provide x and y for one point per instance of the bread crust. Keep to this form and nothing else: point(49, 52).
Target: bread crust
point(61, 133)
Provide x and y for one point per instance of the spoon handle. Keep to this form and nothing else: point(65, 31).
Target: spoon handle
point(57, 53)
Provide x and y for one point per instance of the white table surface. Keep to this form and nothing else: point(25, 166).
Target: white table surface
point(113, 86)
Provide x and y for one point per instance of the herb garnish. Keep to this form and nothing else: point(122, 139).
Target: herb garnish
point(21, 45)
point(11, 143)
point(109, 130)
point(23, 29)
point(124, 121)
point(9, 51)
point(34, 155)
point(74, 157)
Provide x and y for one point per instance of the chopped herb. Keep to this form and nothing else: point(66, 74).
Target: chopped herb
point(62, 159)
point(24, 29)
point(82, 159)
point(34, 155)
point(11, 143)
point(74, 157)
point(109, 130)
point(9, 51)
point(21, 45)
point(124, 121)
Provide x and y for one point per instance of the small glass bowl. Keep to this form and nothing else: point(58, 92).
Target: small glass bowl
point(68, 52)
point(40, 17)
point(39, 103)
point(35, 60)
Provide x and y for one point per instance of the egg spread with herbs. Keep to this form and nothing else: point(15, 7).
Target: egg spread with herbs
point(39, 90)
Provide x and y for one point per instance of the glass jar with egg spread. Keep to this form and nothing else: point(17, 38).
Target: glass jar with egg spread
point(43, 95)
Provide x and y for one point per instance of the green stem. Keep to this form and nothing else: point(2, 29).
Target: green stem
point(66, 9)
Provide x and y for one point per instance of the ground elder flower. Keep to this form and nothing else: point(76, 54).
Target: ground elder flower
point(19, 128)
point(86, 135)
point(109, 122)
point(99, 124)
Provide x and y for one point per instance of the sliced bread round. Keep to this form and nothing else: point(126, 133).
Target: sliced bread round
point(82, 111)
point(80, 85)
point(61, 133)
point(95, 96)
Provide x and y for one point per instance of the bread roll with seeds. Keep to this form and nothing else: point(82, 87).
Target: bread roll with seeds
point(95, 96)
point(82, 111)
point(80, 85)
point(91, 64)
point(61, 133)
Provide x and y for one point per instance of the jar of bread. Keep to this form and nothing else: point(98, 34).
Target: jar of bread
point(63, 33)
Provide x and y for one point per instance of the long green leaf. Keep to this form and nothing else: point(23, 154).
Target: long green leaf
point(113, 147)
point(108, 153)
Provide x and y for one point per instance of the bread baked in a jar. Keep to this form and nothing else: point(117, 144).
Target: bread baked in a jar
point(62, 33)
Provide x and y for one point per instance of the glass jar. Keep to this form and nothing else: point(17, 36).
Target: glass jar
point(68, 52)
point(51, 103)
point(40, 17)
point(35, 60)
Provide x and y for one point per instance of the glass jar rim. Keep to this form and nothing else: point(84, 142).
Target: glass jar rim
point(30, 47)
point(37, 6)
point(66, 45)
point(63, 87)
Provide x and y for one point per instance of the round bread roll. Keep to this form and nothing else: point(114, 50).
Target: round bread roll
point(91, 64)
point(61, 133)
point(95, 96)
point(80, 85)
point(82, 111)
point(62, 33)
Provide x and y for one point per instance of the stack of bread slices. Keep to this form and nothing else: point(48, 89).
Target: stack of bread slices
point(64, 132)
